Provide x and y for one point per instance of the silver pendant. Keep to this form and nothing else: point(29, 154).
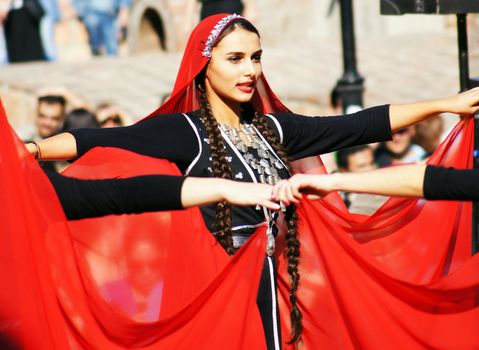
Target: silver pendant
point(270, 244)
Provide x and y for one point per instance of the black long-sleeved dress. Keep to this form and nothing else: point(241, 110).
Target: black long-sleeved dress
point(451, 184)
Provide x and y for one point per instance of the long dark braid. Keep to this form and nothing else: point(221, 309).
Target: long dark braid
point(292, 241)
point(220, 168)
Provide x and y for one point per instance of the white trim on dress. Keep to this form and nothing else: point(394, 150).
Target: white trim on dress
point(200, 146)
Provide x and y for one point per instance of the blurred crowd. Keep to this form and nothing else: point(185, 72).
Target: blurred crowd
point(27, 32)
point(59, 110)
point(413, 144)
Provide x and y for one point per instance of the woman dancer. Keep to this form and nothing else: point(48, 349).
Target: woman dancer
point(225, 132)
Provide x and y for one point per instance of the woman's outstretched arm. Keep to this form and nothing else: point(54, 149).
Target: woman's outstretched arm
point(428, 181)
point(94, 198)
point(402, 115)
point(59, 147)
point(402, 181)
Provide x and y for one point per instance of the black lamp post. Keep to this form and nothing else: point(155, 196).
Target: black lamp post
point(350, 86)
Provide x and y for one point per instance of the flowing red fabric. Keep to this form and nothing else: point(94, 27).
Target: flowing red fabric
point(403, 278)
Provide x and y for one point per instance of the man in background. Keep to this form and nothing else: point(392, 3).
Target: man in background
point(50, 116)
point(358, 159)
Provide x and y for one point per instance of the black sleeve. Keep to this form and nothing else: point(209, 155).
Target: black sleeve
point(451, 184)
point(94, 198)
point(307, 136)
point(166, 136)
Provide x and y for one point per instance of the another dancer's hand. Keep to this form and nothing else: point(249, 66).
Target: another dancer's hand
point(465, 103)
point(313, 186)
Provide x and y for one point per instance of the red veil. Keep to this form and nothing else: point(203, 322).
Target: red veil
point(403, 278)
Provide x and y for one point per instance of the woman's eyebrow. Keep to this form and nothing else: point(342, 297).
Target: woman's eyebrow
point(259, 52)
point(235, 53)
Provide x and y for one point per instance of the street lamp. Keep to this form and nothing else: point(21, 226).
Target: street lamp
point(350, 86)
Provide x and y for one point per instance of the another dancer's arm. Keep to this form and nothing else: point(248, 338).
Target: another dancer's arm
point(306, 136)
point(94, 198)
point(420, 180)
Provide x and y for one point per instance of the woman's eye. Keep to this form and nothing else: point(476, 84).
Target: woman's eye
point(234, 58)
point(257, 58)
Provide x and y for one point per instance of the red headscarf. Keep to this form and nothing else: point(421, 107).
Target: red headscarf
point(184, 97)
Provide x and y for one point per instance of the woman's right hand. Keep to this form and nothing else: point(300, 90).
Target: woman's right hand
point(249, 194)
point(313, 186)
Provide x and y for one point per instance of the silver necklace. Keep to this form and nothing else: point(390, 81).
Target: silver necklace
point(267, 166)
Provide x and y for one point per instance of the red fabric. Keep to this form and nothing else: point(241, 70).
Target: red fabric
point(402, 278)
point(58, 279)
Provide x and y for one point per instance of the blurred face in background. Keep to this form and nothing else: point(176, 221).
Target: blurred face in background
point(361, 161)
point(109, 117)
point(401, 140)
point(50, 118)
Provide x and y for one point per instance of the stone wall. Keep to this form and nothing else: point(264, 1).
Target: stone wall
point(281, 20)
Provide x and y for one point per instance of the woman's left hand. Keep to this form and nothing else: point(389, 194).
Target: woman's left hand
point(292, 190)
point(465, 103)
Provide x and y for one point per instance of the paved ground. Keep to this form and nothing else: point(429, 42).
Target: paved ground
point(405, 68)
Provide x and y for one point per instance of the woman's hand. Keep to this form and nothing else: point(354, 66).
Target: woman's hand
point(403, 115)
point(245, 193)
point(465, 103)
point(313, 186)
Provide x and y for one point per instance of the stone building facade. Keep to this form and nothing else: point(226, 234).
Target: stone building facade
point(162, 23)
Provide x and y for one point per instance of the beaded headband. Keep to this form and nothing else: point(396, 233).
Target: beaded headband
point(215, 33)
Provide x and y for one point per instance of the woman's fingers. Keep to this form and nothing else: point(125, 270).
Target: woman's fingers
point(270, 205)
point(286, 192)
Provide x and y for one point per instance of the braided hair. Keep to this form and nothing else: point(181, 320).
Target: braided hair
point(292, 241)
point(222, 169)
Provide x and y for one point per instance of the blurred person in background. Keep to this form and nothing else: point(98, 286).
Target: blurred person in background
point(111, 116)
point(246, 8)
point(3, 45)
point(49, 120)
point(47, 28)
point(400, 149)
point(355, 160)
point(51, 110)
point(21, 24)
point(105, 21)
point(80, 118)
point(429, 133)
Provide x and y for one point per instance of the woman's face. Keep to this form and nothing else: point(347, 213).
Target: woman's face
point(234, 68)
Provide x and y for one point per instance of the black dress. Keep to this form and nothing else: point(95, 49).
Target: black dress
point(181, 138)
point(22, 36)
point(451, 184)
